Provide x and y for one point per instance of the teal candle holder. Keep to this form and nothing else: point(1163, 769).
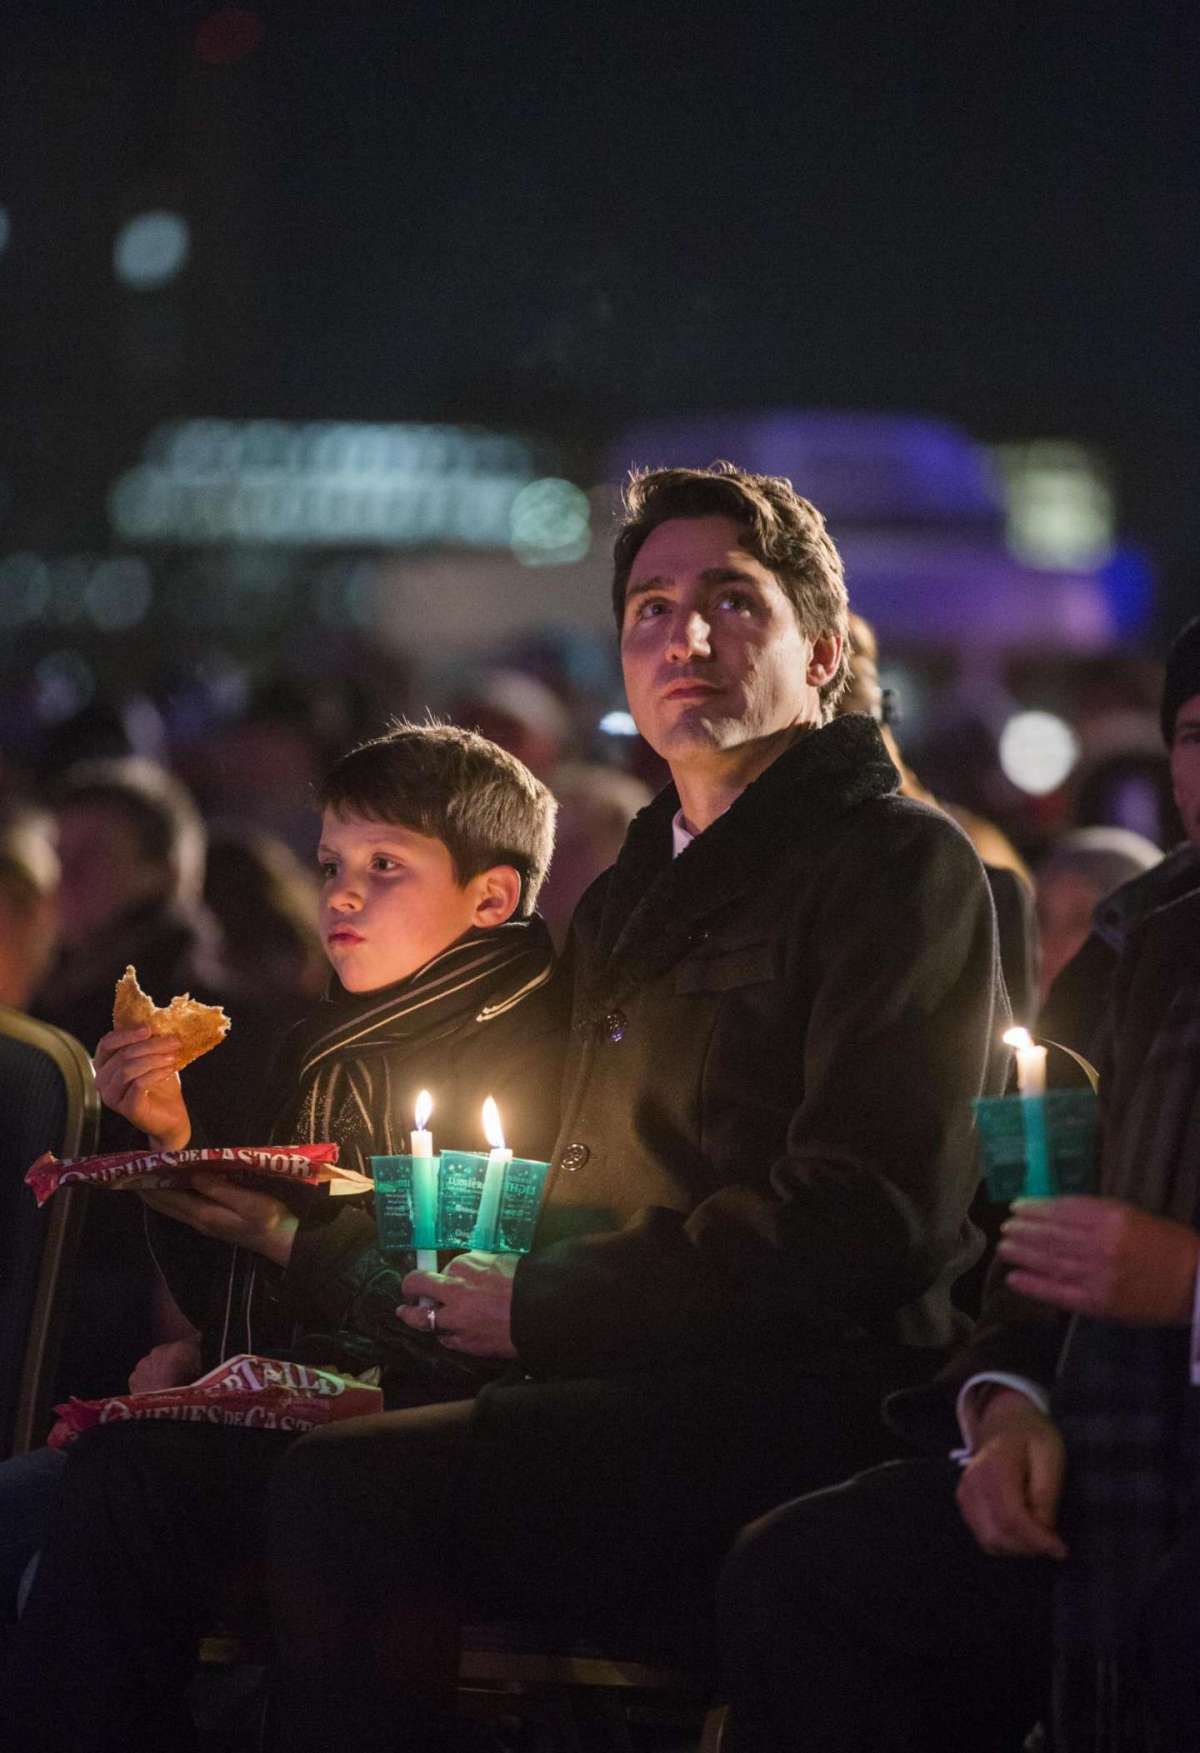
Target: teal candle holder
point(1038, 1146)
point(446, 1202)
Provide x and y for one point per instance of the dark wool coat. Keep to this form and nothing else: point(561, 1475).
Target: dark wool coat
point(766, 1147)
point(1161, 956)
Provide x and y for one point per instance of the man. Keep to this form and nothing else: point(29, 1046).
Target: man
point(784, 998)
point(914, 1607)
point(1077, 999)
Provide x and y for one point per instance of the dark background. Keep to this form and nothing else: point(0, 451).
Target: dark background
point(563, 218)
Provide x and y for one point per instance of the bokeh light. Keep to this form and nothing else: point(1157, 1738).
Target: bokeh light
point(551, 523)
point(150, 249)
point(64, 683)
point(5, 229)
point(119, 593)
point(1037, 751)
point(24, 589)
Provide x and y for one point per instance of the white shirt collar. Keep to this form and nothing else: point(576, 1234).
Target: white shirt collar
point(680, 834)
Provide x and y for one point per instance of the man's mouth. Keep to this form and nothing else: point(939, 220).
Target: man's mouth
point(344, 935)
point(691, 690)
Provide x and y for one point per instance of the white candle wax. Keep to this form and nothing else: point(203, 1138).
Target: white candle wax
point(1031, 1062)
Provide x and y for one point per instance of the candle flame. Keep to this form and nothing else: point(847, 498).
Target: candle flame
point(424, 1110)
point(491, 1125)
point(1017, 1038)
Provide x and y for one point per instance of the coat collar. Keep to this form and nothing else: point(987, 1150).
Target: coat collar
point(654, 903)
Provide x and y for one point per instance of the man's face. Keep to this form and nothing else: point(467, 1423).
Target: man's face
point(390, 900)
point(711, 650)
point(1185, 766)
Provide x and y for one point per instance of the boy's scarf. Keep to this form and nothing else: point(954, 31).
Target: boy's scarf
point(347, 1047)
point(1130, 1419)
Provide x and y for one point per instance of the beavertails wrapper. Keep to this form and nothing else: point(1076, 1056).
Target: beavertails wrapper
point(257, 1393)
point(311, 1165)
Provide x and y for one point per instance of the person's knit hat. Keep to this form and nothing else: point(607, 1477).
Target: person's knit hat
point(1183, 676)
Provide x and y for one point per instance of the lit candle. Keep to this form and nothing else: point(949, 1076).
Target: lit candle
point(424, 1185)
point(1031, 1083)
point(484, 1233)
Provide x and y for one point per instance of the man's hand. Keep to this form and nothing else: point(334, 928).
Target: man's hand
point(136, 1077)
point(168, 1366)
point(1009, 1490)
point(473, 1304)
point(1102, 1257)
point(218, 1207)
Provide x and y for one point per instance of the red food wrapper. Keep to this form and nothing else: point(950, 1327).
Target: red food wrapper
point(309, 1165)
point(256, 1393)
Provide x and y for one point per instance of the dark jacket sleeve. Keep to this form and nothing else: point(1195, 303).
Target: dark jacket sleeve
point(865, 1211)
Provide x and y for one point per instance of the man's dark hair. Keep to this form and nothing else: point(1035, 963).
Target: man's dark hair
point(782, 531)
point(166, 823)
point(454, 785)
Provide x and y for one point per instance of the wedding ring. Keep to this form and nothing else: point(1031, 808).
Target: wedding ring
point(431, 1319)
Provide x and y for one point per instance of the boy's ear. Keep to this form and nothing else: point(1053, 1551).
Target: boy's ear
point(497, 895)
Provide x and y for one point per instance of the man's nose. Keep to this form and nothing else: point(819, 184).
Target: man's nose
point(690, 636)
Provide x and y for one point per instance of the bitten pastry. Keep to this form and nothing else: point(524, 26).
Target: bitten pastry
point(197, 1027)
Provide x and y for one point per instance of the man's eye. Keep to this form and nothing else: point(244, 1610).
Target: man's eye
point(734, 599)
point(648, 610)
point(327, 868)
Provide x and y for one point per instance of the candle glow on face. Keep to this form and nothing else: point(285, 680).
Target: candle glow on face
point(493, 1131)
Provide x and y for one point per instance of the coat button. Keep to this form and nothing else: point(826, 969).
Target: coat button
point(575, 1155)
point(615, 1024)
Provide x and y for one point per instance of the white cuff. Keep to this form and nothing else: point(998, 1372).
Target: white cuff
point(1196, 1334)
point(966, 1413)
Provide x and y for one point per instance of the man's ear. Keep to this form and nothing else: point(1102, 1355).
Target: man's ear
point(826, 656)
point(497, 895)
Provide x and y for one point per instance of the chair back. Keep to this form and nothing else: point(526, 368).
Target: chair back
point(48, 1101)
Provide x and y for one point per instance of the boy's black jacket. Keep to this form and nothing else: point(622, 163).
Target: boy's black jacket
point(337, 1297)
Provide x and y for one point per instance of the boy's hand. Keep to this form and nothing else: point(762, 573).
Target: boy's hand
point(172, 1365)
point(472, 1302)
point(1009, 1490)
point(216, 1206)
point(136, 1077)
point(1102, 1257)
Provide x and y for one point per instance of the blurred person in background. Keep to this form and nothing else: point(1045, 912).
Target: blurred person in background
point(1079, 995)
point(1077, 874)
point(131, 844)
point(28, 903)
point(520, 713)
point(265, 902)
point(1008, 876)
point(595, 807)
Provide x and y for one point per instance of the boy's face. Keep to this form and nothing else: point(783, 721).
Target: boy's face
point(390, 900)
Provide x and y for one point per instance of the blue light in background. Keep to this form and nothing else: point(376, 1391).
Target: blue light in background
point(1128, 585)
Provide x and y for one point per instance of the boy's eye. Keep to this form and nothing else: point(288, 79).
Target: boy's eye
point(326, 868)
point(385, 861)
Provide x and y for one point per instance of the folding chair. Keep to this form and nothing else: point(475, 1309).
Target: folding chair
point(48, 1101)
point(587, 1695)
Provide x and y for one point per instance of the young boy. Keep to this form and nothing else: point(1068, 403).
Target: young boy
point(434, 845)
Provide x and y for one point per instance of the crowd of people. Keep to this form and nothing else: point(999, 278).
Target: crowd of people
point(742, 1387)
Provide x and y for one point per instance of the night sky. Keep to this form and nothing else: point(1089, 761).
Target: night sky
point(564, 218)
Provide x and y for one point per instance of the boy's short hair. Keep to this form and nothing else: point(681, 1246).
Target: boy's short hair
point(783, 532)
point(454, 785)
